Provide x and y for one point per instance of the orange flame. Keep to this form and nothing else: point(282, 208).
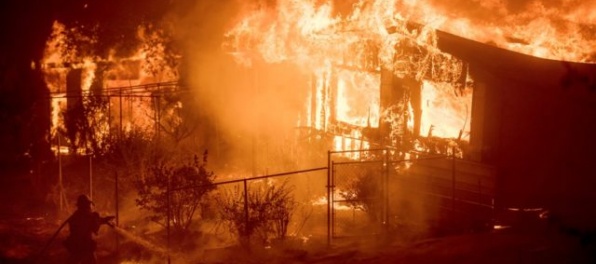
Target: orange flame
point(344, 54)
point(122, 73)
point(445, 114)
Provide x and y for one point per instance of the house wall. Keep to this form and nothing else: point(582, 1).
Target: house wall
point(537, 126)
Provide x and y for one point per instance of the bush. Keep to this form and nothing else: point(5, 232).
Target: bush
point(189, 184)
point(364, 193)
point(270, 208)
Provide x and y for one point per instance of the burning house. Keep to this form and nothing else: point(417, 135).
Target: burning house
point(511, 130)
point(377, 80)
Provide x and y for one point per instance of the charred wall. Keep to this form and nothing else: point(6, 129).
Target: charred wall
point(535, 120)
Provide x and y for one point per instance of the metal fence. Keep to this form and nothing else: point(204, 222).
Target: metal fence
point(372, 191)
point(357, 192)
point(448, 193)
point(367, 192)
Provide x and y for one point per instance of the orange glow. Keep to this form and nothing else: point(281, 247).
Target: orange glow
point(116, 80)
point(358, 98)
point(55, 51)
point(558, 31)
point(336, 206)
point(58, 105)
point(445, 113)
point(310, 35)
point(344, 54)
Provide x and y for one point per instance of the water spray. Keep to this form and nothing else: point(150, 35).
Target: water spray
point(140, 241)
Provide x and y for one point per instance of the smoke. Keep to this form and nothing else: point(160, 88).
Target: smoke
point(497, 11)
point(251, 111)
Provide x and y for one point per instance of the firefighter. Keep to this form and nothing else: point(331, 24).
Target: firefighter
point(83, 224)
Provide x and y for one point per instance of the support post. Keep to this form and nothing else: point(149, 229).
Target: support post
point(329, 206)
point(246, 219)
point(386, 187)
point(453, 179)
point(120, 113)
point(117, 215)
point(168, 202)
point(60, 186)
point(90, 176)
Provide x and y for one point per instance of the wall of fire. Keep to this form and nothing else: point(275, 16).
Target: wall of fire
point(363, 105)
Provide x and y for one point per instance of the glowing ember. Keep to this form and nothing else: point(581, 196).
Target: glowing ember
point(337, 206)
point(500, 227)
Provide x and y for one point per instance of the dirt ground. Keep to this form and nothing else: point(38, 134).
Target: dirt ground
point(21, 241)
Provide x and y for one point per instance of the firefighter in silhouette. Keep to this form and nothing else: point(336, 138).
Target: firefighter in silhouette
point(83, 224)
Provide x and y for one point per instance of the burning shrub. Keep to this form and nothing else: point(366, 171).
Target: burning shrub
point(266, 213)
point(364, 193)
point(189, 184)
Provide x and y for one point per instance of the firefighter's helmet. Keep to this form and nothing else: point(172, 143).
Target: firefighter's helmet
point(83, 201)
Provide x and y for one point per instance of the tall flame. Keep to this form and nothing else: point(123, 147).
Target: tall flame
point(445, 113)
point(308, 32)
point(311, 35)
point(344, 53)
point(559, 30)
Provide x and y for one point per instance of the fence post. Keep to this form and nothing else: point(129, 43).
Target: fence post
point(453, 179)
point(386, 189)
point(329, 206)
point(246, 211)
point(60, 186)
point(91, 176)
point(168, 216)
point(117, 215)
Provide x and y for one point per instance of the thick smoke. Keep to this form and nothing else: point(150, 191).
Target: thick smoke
point(251, 112)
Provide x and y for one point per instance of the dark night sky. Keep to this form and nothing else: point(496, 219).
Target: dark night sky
point(24, 27)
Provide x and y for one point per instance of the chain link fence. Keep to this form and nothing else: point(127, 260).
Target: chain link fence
point(359, 198)
point(384, 190)
point(360, 193)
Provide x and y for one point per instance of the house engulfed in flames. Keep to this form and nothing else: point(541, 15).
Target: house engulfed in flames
point(378, 80)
